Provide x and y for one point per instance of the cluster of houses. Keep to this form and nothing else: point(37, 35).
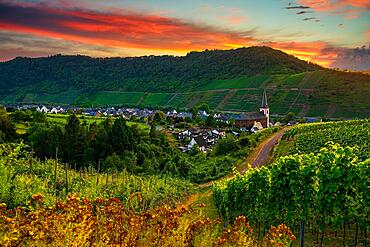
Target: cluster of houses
point(204, 138)
point(126, 113)
point(53, 110)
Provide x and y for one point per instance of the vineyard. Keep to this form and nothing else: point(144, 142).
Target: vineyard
point(326, 190)
point(22, 176)
point(319, 193)
point(45, 203)
point(311, 137)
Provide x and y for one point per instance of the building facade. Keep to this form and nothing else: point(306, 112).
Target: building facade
point(248, 120)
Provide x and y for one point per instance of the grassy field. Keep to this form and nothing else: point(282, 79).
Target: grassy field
point(61, 119)
point(118, 98)
point(241, 82)
point(157, 99)
point(67, 97)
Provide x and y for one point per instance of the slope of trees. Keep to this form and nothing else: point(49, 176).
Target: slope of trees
point(115, 146)
point(149, 73)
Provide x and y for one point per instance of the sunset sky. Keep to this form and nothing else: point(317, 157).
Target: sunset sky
point(332, 33)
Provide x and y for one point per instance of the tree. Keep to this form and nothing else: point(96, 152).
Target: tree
point(113, 162)
point(210, 121)
point(129, 161)
point(194, 111)
point(194, 150)
point(122, 136)
point(204, 107)
point(158, 117)
point(21, 116)
point(45, 140)
point(289, 117)
point(227, 145)
point(39, 117)
point(153, 131)
point(245, 142)
point(2, 137)
point(6, 125)
point(75, 141)
point(102, 145)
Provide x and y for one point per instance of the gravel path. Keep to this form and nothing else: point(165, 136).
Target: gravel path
point(264, 150)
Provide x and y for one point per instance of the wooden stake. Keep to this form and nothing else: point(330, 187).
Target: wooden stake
point(302, 234)
point(55, 172)
point(66, 166)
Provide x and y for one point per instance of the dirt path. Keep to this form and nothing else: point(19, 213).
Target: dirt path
point(256, 158)
point(261, 154)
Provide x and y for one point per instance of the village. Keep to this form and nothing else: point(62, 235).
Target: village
point(203, 130)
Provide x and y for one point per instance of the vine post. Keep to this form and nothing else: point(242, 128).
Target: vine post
point(66, 171)
point(301, 239)
point(55, 172)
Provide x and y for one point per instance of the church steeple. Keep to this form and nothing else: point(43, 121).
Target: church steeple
point(264, 100)
point(265, 108)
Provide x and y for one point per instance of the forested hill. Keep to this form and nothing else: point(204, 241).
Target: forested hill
point(149, 73)
point(229, 80)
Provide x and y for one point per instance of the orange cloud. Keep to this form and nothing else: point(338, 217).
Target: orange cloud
point(153, 33)
point(351, 8)
point(317, 52)
point(120, 30)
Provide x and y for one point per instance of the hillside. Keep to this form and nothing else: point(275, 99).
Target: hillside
point(230, 80)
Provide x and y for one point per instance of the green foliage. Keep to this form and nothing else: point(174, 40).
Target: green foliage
point(150, 73)
point(19, 116)
point(22, 176)
point(2, 137)
point(159, 117)
point(39, 117)
point(45, 140)
point(289, 117)
point(7, 127)
point(227, 145)
point(326, 189)
point(311, 137)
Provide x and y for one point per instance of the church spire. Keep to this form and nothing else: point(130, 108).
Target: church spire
point(264, 100)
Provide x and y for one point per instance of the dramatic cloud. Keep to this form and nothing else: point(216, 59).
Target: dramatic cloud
point(29, 29)
point(350, 8)
point(17, 44)
point(353, 59)
point(131, 30)
point(316, 52)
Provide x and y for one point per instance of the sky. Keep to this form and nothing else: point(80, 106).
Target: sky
point(332, 33)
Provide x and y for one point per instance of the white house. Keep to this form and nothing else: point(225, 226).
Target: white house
point(191, 143)
point(256, 127)
point(43, 109)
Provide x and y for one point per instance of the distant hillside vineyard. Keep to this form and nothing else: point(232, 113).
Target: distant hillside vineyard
point(228, 80)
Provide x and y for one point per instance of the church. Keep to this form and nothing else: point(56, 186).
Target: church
point(249, 119)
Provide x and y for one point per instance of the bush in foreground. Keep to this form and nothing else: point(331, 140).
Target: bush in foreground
point(82, 222)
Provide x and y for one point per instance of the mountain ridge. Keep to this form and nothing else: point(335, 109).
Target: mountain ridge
point(153, 81)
